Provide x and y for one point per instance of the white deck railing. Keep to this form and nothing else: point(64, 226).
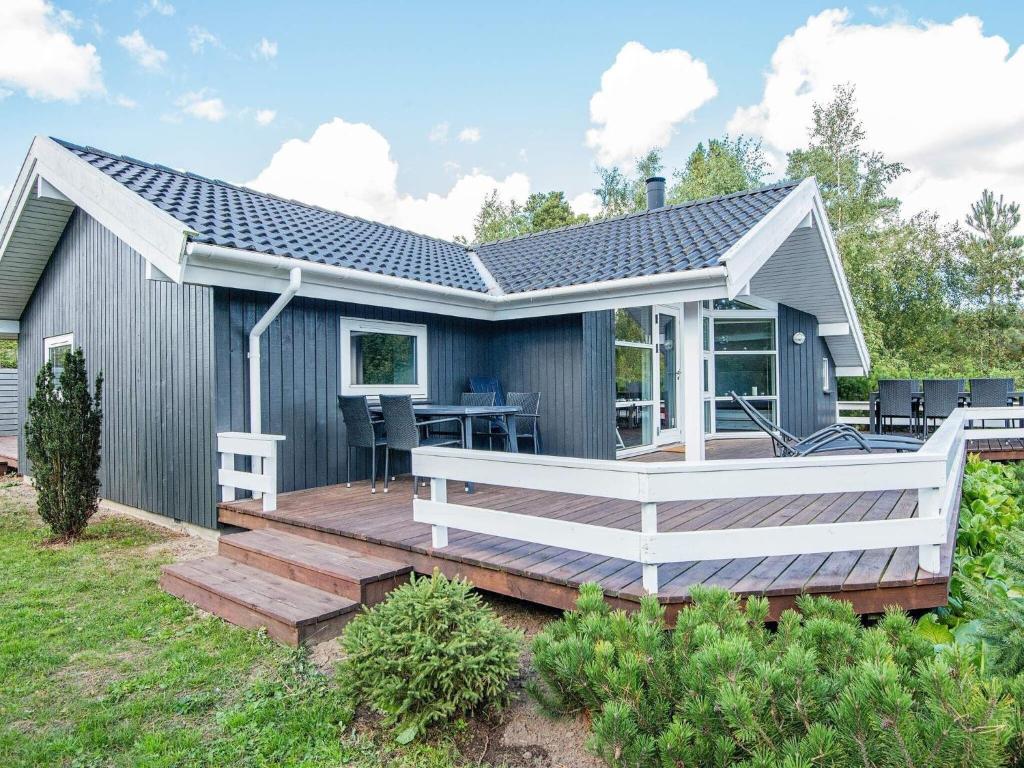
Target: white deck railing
point(933, 472)
point(261, 479)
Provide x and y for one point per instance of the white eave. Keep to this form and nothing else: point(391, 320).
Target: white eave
point(54, 180)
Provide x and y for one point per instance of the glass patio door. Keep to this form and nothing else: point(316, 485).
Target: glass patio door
point(669, 374)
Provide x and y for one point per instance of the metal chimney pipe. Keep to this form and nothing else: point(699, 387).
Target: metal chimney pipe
point(655, 192)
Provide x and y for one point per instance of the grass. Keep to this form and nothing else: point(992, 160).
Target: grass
point(101, 668)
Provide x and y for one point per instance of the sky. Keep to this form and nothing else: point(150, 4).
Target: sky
point(411, 113)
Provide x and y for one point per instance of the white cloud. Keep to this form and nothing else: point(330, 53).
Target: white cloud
point(265, 49)
point(348, 167)
point(158, 7)
point(201, 105)
point(200, 37)
point(124, 101)
point(67, 19)
point(586, 202)
point(38, 55)
point(936, 97)
point(265, 116)
point(469, 135)
point(439, 133)
point(644, 95)
point(523, 155)
point(145, 55)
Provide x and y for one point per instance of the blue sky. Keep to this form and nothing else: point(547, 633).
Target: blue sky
point(523, 76)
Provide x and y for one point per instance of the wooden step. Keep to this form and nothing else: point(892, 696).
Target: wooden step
point(363, 578)
point(292, 613)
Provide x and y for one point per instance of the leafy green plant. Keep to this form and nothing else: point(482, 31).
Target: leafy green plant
point(62, 439)
point(990, 509)
point(431, 652)
point(722, 690)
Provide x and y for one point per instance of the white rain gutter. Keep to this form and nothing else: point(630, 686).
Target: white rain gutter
point(328, 274)
point(255, 385)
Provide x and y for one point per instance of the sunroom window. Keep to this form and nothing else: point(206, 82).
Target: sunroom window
point(745, 361)
point(379, 357)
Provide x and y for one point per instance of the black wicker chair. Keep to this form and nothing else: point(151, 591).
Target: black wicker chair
point(941, 397)
point(524, 425)
point(991, 393)
point(406, 433)
point(361, 431)
point(483, 426)
point(895, 401)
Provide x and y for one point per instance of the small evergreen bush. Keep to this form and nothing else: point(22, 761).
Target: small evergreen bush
point(62, 440)
point(722, 690)
point(429, 653)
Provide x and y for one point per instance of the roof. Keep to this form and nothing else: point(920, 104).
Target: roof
point(232, 216)
point(675, 238)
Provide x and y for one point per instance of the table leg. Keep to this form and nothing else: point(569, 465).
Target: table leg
point(467, 441)
point(513, 438)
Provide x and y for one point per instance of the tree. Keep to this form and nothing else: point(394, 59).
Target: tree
point(621, 194)
point(62, 440)
point(853, 181)
point(993, 254)
point(498, 220)
point(8, 353)
point(723, 167)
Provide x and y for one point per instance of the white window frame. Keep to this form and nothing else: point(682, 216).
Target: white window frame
point(765, 310)
point(350, 324)
point(826, 375)
point(51, 342)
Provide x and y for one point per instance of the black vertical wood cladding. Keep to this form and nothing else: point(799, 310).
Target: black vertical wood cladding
point(804, 406)
point(568, 359)
point(153, 341)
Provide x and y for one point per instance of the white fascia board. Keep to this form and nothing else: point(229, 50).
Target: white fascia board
point(46, 191)
point(235, 268)
point(834, 329)
point(850, 370)
point(157, 236)
point(16, 202)
point(836, 263)
point(748, 254)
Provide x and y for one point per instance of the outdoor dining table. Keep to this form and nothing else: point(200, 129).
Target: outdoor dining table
point(917, 399)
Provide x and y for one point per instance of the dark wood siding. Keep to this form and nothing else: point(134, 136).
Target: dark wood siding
point(568, 359)
point(804, 406)
point(153, 341)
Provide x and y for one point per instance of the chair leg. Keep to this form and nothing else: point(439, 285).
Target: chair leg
point(373, 469)
point(348, 464)
point(387, 472)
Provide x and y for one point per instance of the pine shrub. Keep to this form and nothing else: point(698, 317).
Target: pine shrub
point(431, 652)
point(62, 440)
point(722, 690)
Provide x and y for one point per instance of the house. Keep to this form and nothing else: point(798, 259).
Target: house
point(633, 329)
point(227, 321)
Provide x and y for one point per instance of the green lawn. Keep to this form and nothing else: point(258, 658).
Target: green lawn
point(99, 667)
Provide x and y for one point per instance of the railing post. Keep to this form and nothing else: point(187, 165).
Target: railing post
point(439, 494)
point(270, 472)
point(227, 461)
point(649, 525)
point(929, 504)
point(256, 467)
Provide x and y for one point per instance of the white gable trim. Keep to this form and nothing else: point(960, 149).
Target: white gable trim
point(155, 234)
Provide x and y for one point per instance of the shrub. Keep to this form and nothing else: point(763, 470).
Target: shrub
point(430, 652)
point(722, 690)
point(62, 440)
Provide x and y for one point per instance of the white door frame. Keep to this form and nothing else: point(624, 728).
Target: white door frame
point(675, 434)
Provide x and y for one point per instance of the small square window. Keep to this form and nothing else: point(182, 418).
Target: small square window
point(56, 349)
point(380, 357)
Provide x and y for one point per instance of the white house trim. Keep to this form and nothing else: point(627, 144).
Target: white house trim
point(416, 330)
point(834, 329)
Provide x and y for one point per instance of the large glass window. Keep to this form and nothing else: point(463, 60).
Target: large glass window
point(744, 360)
point(379, 357)
point(634, 377)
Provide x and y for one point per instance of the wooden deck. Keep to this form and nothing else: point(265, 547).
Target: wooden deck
point(382, 525)
point(1006, 449)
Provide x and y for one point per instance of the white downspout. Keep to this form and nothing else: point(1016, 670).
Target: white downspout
point(255, 393)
